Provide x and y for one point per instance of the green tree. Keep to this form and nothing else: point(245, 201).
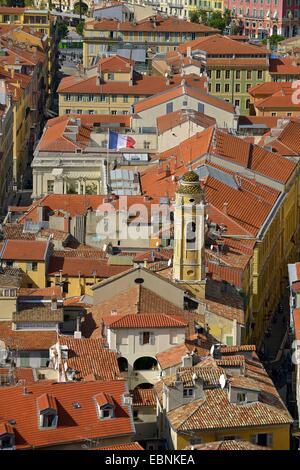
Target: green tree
point(79, 28)
point(274, 40)
point(227, 16)
point(198, 16)
point(62, 30)
point(84, 8)
point(216, 20)
point(194, 16)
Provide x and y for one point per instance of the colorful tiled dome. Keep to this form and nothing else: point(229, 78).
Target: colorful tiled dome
point(190, 184)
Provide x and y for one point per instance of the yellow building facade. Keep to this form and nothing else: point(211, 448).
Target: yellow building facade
point(189, 229)
point(280, 436)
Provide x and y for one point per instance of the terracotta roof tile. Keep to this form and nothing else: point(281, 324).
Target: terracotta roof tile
point(218, 44)
point(24, 250)
point(285, 65)
point(115, 64)
point(171, 120)
point(216, 412)
point(26, 340)
point(188, 89)
point(170, 24)
point(74, 424)
point(144, 321)
point(144, 85)
point(87, 267)
point(253, 157)
point(144, 397)
point(128, 446)
point(88, 356)
point(228, 445)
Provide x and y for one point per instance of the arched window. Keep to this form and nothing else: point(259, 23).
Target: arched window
point(191, 236)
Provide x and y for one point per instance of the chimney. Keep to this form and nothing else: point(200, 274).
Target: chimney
point(225, 206)
point(145, 263)
point(12, 72)
point(40, 211)
point(189, 51)
point(53, 303)
point(187, 360)
point(67, 224)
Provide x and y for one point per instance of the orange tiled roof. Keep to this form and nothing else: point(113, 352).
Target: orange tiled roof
point(215, 411)
point(88, 120)
point(79, 204)
point(187, 88)
point(285, 65)
point(141, 320)
point(227, 445)
point(54, 291)
point(85, 267)
point(88, 356)
point(56, 137)
point(282, 99)
point(253, 157)
point(233, 349)
point(11, 10)
point(171, 120)
point(296, 317)
point(144, 85)
point(173, 356)
point(144, 397)
point(288, 140)
point(169, 24)
point(127, 446)
point(45, 401)
point(24, 250)
point(115, 64)
point(244, 63)
point(134, 301)
point(74, 424)
point(26, 340)
point(268, 88)
point(218, 44)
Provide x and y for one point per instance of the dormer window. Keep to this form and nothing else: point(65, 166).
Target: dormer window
point(105, 405)
point(7, 437)
point(188, 392)
point(47, 407)
point(241, 398)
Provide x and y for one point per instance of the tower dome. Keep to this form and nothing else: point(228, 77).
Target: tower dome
point(190, 184)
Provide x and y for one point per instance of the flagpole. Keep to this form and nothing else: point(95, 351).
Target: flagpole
point(107, 164)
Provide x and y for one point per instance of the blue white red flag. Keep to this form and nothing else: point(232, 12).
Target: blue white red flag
point(118, 141)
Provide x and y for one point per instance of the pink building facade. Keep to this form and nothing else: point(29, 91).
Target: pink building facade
point(262, 18)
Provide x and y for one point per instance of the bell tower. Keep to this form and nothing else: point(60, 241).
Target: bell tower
point(189, 231)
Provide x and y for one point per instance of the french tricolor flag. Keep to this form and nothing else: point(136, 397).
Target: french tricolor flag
point(118, 141)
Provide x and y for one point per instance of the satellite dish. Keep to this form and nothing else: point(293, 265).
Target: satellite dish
point(169, 262)
point(211, 351)
point(222, 380)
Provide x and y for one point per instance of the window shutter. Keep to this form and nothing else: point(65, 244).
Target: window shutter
point(152, 338)
point(269, 440)
point(141, 338)
point(200, 107)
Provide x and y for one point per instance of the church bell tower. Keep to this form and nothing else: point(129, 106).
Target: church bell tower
point(189, 231)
